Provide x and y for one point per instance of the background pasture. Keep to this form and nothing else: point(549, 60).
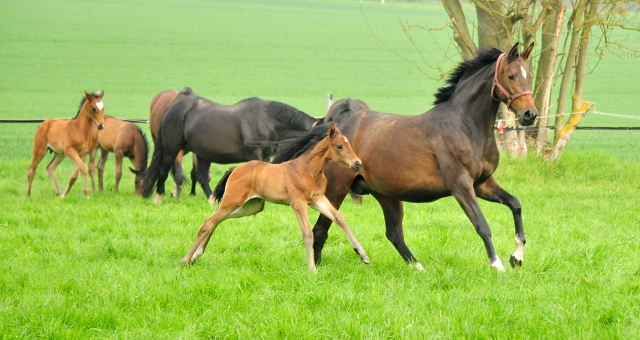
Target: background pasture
point(108, 267)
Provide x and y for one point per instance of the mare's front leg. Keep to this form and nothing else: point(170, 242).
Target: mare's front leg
point(323, 205)
point(393, 211)
point(463, 191)
point(299, 206)
point(490, 190)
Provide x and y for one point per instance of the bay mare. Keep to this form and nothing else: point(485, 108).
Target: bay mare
point(296, 179)
point(448, 151)
point(124, 139)
point(71, 138)
point(159, 104)
point(218, 133)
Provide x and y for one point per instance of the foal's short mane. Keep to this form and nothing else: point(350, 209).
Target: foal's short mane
point(293, 148)
point(84, 99)
point(289, 114)
point(484, 57)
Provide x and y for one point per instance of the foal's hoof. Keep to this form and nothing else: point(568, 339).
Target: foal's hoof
point(514, 261)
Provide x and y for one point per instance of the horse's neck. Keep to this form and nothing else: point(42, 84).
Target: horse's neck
point(475, 103)
point(83, 122)
point(316, 159)
point(139, 149)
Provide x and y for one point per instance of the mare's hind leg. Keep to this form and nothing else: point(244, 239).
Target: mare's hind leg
point(227, 209)
point(490, 190)
point(393, 213)
point(194, 175)
point(177, 165)
point(51, 169)
point(463, 191)
point(323, 205)
point(202, 171)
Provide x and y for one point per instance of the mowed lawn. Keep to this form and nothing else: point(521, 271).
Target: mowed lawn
point(108, 267)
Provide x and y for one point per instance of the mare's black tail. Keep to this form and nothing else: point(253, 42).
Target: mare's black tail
point(218, 192)
point(152, 173)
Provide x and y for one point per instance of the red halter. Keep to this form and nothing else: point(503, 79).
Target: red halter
point(510, 98)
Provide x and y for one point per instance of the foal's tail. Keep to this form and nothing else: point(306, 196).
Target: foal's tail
point(218, 192)
point(152, 173)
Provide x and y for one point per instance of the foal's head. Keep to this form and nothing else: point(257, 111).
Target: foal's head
point(340, 150)
point(515, 77)
point(94, 108)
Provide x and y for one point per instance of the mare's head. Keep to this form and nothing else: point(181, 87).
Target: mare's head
point(94, 108)
point(513, 85)
point(343, 109)
point(340, 150)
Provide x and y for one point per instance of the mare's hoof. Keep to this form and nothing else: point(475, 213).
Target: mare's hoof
point(497, 264)
point(515, 262)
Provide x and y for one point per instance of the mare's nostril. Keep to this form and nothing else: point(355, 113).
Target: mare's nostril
point(527, 115)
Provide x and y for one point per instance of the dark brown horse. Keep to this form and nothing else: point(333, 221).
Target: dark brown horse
point(448, 151)
point(218, 133)
point(124, 139)
point(159, 104)
point(71, 138)
point(296, 180)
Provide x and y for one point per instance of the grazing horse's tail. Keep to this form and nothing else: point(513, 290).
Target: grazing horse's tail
point(218, 192)
point(151, 174)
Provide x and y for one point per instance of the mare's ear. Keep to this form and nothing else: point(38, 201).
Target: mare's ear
point(527, 52)
point(514, 52)
point(88, 96)
point(332, 130)
point(100, 94)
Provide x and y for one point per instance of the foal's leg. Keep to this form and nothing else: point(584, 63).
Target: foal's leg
point(78, 166)
point(51, 169)
point(323, 205)
point(38, 154)
point(393, 213)
point(300, 208)
point(490, 190)
point(104, 155)
point(119, 155)
point(92, 167)
point(462, 190)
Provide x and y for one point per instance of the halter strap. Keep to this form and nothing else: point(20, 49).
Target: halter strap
point(510, 98)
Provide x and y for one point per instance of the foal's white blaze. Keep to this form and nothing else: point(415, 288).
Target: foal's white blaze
point(524, 73)
point(345, 139)
point(99, 105)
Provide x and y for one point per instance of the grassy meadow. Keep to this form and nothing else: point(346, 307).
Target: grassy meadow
point(107, 268)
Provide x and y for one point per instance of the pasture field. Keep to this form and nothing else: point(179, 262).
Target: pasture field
point(107, 268)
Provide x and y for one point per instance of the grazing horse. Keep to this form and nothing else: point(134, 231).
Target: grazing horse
point(159, 104)
point(218, 133)
point(295, 180)
point(124, 139)
point(68, 137)
point(448, 151)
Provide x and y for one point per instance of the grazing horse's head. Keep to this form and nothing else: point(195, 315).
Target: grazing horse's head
point(340, 150)
point(95, 108)
point(512, 84)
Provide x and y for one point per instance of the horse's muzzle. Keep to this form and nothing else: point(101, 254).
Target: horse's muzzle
point(356, 166)
point(528, 117)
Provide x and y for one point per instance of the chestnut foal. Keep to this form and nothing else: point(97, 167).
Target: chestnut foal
point(297, 180)
point(68, 137)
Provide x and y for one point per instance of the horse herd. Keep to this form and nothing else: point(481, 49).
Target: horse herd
point(448, 151)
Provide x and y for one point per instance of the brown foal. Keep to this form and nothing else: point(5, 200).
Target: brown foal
point(297, 182)
point(68, 137)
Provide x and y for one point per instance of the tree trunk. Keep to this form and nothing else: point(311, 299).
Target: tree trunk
point(460, 32)
point(493, 26)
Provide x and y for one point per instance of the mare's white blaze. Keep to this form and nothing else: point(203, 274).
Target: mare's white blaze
point(524, 73)
point(497, 264)
point(519, 254)
point(99, 105)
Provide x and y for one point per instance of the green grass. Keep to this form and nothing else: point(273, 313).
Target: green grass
point(108, 267)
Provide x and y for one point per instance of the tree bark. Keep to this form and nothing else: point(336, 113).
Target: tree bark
point(493, 26)
point(461, 33)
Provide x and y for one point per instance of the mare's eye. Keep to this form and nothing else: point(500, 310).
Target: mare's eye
point(512, 77)
point(339, 147)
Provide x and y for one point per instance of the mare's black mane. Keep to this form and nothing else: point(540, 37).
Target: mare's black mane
point(483, 58)
point(293, 148)
point(289, 114)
